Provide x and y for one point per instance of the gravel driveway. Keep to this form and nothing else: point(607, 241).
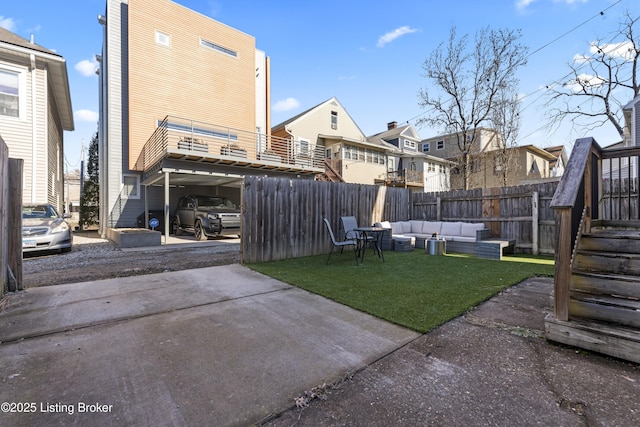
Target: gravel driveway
point(93, 258)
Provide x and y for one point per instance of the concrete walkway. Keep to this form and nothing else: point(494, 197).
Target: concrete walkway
point(213, 346)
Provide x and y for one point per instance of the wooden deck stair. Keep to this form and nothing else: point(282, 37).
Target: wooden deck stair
point(604, 308)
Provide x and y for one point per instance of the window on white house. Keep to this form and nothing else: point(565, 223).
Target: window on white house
point(391, 164)
point(410, 144)
point(305, 146)
point(9, 93)
point(334, 120)
point(426, 147)
point(163, 39)
point(440, 145)
point(130, 186)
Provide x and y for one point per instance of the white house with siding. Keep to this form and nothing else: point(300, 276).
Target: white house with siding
point(35, 110)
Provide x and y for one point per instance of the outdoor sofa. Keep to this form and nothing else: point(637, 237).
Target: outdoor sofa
point(460, 236)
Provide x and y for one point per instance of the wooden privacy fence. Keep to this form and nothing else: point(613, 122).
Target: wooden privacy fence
point(10, 221)
point(282, 218)
point(521, 212)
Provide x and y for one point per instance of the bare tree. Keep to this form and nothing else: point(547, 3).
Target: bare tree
point(600, 84)
point(505, 119)
point(467, 84)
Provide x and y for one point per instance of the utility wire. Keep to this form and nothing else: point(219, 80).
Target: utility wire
point(601, 13)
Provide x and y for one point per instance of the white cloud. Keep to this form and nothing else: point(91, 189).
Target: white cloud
point(86, 67)
point(523, 4)
point(86, 116)
point(8, 23)
point(587, 80)
point(392, 35)
point(286, 105)
point(622, 50)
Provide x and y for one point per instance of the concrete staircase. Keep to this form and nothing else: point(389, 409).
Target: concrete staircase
point(604, 308)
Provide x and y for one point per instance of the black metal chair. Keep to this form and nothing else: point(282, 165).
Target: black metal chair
point(341, 244)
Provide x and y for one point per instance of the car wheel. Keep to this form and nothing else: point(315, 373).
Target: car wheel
point(175, 227)
point(199, 232)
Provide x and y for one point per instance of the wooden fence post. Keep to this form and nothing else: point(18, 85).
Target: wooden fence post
point(15, 224)
point(438, 212)
point(562, 274)
point(534, 223)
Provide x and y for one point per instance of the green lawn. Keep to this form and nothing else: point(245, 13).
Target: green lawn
point(410, 289)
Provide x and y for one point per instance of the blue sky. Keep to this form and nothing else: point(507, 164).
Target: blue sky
point(368, 54)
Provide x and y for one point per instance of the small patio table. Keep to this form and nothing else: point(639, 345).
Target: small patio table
point(363, 238)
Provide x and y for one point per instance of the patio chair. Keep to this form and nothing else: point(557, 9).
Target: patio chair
point(349, 224)
point(341, 244)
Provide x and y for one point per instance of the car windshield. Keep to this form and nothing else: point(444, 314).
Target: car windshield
point(39, 211)
point(215, 202)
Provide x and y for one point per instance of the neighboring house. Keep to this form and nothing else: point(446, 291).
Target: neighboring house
point(35, 110)
point(184, 109)
point(408, 167)
point(328, 129)
point(491, 165)
point(72, 196)
point(627, 166)
point(557, 166)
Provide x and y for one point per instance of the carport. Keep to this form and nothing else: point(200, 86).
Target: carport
point(177, 175)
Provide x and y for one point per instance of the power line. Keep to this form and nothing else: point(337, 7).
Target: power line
point(601, 13)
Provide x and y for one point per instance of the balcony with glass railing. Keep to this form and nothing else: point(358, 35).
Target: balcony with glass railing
point(190, 140)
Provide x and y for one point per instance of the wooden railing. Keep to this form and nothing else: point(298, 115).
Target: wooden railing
point(206, 139)
point(597, 185)
point(405, 177)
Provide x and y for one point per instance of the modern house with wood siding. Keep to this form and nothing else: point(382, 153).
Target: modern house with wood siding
point(35, 110)
point(184, 108)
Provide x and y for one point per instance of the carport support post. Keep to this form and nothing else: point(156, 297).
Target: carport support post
point(166, 208)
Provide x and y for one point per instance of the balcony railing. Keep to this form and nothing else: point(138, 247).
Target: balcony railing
point(405, 178)
point(190, 139)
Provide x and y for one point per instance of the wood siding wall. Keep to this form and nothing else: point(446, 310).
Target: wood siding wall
point(186, 79)
point(282, 218)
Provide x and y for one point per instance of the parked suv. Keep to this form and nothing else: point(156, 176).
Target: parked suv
point(206, 216)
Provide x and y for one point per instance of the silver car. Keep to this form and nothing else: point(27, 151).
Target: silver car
point(43, 229)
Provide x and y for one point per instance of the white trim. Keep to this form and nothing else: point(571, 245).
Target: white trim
point(163, 39)
point(22, 90)
point(135, 193)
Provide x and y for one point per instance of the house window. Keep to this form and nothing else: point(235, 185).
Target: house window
point(334, 120)
point(218, 47)
point(130, 186)
point(304, 146)
point(163, 39)
point(440, 145)
point(426, 147)
point(409, 144)
point(392, 164)
point(200, 131)
point(10, 85)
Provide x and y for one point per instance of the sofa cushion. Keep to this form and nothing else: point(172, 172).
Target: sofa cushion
point(383, 224)
point(469, 230)
point(406, 226)
point(430, 227)
point(396, 228)
point(416, 226)
point(451, 228)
